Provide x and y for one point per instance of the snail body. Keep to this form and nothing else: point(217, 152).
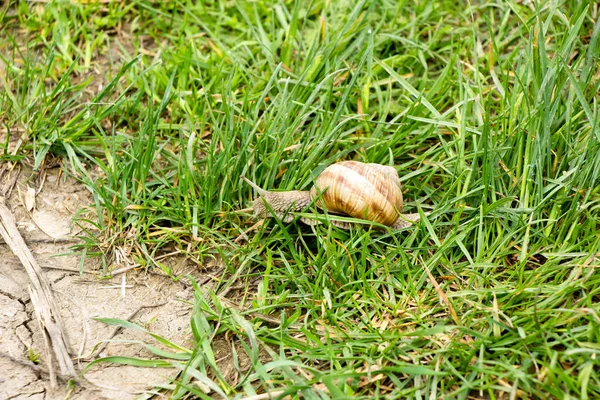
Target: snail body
point(350, 188)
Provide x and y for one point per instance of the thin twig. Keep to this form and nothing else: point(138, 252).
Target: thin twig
point(43, 371)
point(29, 364)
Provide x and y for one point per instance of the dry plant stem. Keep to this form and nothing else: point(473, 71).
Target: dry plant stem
point(51, 241)
point(125, 269)
point(47, 342)
point(41, 297)
point(42, 371)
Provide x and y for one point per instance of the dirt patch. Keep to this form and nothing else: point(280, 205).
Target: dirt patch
point(162, 306)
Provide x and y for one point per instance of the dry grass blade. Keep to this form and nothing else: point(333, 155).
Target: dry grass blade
point(442, 295)
point(41, 297)
point(270, 395)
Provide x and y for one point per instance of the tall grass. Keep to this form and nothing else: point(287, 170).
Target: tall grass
point(489, 111)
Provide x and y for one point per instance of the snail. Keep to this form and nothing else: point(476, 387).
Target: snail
point(349, 188)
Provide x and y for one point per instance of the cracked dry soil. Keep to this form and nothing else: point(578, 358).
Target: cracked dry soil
point(47, 231)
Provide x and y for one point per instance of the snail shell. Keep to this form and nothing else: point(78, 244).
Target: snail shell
point(366, 191)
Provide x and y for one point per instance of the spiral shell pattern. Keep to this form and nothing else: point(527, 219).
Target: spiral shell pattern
point(360, 190)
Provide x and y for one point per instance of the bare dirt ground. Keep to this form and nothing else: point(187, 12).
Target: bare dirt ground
point(47, 232)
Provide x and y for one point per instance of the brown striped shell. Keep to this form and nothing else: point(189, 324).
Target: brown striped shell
point(365, 191)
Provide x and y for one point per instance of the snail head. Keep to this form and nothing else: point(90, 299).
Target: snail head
point(279, 202)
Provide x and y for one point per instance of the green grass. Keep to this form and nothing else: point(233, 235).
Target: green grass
point(489, 111)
